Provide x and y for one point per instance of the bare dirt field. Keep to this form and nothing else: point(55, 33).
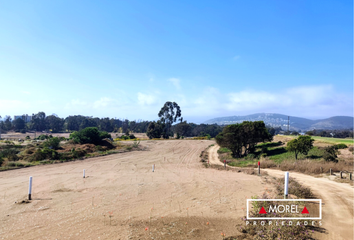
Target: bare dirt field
point(121, 198)
point(337, 200)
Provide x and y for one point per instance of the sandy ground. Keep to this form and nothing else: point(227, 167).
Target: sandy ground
point(121, 198)
point(337, 200)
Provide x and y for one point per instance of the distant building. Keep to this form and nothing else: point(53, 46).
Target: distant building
point(24, 117)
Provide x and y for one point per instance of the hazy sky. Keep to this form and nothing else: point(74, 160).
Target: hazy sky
point(125, 59)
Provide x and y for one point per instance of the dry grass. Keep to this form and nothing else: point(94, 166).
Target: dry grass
point(272, 231)
point(309, 166)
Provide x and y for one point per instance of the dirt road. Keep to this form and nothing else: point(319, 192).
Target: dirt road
point(337, 199)
point(122, 198)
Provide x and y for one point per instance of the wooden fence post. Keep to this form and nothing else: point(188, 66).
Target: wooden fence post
point(330, 171)
point(341, 174)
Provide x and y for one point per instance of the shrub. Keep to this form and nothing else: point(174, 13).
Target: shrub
point(351, 148)
point(45, 153)
point(23, 131)
point(131, 136)
point(42, 137)
point(79, 152)
point(52, 143)
point(340, 146)
point(9, 142)
point(9, 153)
point(250, 156)
point(89, 135)
point(330, 154)
point(136, 144)
point(124, 137)
point(105, 135)
point(28, 137)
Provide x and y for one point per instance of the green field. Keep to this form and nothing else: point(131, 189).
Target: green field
point(273, 151)
point(327, 139)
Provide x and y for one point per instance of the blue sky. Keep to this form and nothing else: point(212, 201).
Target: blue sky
point(125, 59)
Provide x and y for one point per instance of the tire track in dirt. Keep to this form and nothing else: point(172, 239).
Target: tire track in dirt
point(180, 190)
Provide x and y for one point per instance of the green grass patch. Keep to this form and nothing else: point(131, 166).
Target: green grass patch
point(243, 162)
point(333, 140)
point(278, 155)
point(328, 139)
point(224, 150)
point(270, 150)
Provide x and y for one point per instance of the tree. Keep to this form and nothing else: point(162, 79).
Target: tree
point(154, 130)
point(302, 144)
point(183, 129)
point(73, 122)
point(330, 154)
point(54, 123)
point(107, 125)
point(19, 124)
point(243, 135)
point(230, 138)
point(87, 122)
point(38, 121)
point(8, 123)
point(169, 114)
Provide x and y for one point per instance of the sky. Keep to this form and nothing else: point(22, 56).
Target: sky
point(125, 59)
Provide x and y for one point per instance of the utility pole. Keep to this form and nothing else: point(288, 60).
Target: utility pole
point(288, 125)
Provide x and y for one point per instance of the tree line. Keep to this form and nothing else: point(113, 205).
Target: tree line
point(345, 133)
point(55, 124)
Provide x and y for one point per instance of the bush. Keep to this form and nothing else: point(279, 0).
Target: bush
point(10, 154)
point(28, 138)
point(136, 144)
point(330, 154)
point(45, 153)
point(105, 135)
point(89, 135)
point(42, 137)
point(131, 136)
point(52, 143)
point(23, 131)
point(79, 152)
point(340, 146)
point(125, 137)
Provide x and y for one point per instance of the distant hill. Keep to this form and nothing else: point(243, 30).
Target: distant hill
point(296, 123)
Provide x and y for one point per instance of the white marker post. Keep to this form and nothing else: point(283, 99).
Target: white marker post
point(30, 189)
point(84, 173)
point(286, 185)
point(153, 168)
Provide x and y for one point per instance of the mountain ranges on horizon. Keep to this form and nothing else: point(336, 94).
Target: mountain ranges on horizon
point(296, 123)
